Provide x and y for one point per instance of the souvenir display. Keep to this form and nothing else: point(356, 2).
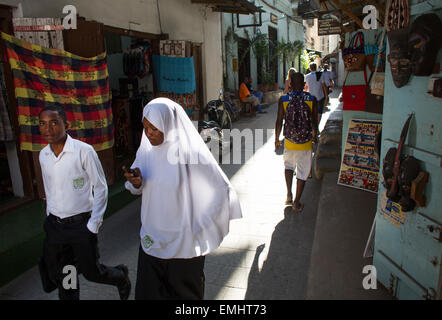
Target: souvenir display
point(392, 166)
point(399, 57)
point(407, 173)
point(359, 167)
point(424, 43)
point(355, 96)
point(398, 14)
point(354, 54)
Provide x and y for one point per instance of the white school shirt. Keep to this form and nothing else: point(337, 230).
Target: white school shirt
point(69, 180)
point(315, 86)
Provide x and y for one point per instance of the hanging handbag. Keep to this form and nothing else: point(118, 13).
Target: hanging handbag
point(374, 103)
point(374, 52)
point(377, 85)
point(354, 96)
point(354, 54)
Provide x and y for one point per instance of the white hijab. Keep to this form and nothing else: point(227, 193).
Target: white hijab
point(186, 205)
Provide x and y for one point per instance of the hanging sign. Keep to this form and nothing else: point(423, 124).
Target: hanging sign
point(329, 22)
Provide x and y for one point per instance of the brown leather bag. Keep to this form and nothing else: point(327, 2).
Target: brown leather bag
point(374, 103)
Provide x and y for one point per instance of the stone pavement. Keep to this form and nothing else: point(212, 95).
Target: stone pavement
point(266, 255)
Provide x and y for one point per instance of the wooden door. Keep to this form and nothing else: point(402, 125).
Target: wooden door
point(244, 59)
point(198, 65)
point(273, 37)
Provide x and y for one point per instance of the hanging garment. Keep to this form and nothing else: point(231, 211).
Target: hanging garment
point(173, 74)
point(44, 76)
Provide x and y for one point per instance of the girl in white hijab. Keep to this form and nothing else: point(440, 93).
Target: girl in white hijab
point(187, 203)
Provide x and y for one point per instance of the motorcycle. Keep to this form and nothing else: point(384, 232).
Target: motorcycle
point(218, 119)
point(219, 111)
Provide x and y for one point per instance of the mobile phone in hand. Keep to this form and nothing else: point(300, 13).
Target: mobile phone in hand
point(133, 171)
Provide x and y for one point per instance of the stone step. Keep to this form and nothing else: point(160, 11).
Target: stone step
point(331, 134)
point(332, 150)
point(323, 165)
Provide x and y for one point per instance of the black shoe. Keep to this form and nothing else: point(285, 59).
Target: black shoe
point(124, 288)
point(262, 111)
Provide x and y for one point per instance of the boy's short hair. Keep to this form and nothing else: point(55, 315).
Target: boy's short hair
point(57, 108)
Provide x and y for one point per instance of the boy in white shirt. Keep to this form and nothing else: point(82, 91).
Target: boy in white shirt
point(76, 198)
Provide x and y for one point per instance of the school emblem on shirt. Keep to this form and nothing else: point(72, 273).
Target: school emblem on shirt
point(147, 242)
point(78, 183)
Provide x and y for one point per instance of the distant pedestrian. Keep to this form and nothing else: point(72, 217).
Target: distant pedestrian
point(328, 78)
point(297, 110)
point(187, 203)
point(246, 94)
point(76, 199)
point(317, 88)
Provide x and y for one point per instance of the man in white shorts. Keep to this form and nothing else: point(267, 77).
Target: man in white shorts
point(297, 156)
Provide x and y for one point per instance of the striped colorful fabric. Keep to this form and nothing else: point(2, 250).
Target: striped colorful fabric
point(44, 77)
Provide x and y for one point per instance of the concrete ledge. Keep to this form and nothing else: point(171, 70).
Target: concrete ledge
point(271, 97)
point(325, 165)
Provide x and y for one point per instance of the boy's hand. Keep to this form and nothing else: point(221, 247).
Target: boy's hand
point(278, 144)
point(315, 136)
point(133, 176)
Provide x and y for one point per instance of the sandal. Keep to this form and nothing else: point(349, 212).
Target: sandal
point(289, 201)
point(301, 206)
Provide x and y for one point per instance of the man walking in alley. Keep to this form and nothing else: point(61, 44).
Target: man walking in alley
point(76, 198)
point(245, 95)
point(317, 88)
point(298, 111)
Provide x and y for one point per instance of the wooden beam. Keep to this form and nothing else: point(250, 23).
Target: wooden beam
point(348, 12)
point(135, 34)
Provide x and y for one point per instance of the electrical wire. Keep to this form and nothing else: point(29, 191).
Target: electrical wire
point(159, 16)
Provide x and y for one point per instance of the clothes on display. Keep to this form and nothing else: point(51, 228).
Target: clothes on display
point(136, 62)
point(188, 101)
point(44, 76)
point(173, 74)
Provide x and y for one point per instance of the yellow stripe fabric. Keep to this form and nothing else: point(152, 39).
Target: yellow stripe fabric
point(59, 75)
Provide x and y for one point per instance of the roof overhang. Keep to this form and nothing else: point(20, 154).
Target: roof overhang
point(231, 6)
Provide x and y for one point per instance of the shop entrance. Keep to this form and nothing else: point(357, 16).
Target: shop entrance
point(243, 59)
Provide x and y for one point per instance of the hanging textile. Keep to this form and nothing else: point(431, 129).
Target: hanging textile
point(6, 132)
point(44, 76)
point(175, 75)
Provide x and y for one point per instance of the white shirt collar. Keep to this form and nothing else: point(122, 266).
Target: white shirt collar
point(68, 146)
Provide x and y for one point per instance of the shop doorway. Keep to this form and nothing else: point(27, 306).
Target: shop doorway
point(273, 38)
point(243, 59)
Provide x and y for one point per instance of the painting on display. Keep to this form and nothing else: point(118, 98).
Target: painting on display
point(359, 166)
